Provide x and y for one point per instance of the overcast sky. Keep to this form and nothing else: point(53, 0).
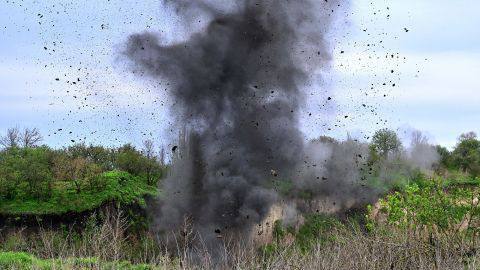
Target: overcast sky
point(434, 86)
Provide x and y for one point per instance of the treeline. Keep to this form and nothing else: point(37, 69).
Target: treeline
point(29, 170)
point(465, 157)
point(392, 162)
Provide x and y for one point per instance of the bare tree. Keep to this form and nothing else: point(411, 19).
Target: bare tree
point(467, 136)
point(148, 149)
point(11, 139)
point(30, 137)
point(418, 138)
point(161, 156)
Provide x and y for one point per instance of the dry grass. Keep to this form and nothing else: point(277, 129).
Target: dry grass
point(350, 248)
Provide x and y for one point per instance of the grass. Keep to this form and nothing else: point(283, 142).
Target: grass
point(26, 261)
point(388, 248)
point(117, 186)
point(315, 231)
point(331, 245)
point(462, 181)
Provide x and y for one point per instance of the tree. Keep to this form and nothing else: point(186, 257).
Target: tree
point(70, 169)
point(62, 167)
point(131, 160)
point(10, 162)
point(11, 139)
point(466, 155)
point(148, 149)
point(445, 157)
point(30, 137)
point(421, 153)
point(35, 170)
point(467, 136)
point(161, 156)
point(92, 171)
point(79, 169)
point(418, 139)
point(150, 162)
point(99, 155)
point(385, 142)
point(325, 140)
point(128, 159)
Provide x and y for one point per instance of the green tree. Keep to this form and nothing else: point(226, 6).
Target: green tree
point(10, 161)
point(99, 155)
point(79, 169)
point(385, 142)
point(153, 167)
point(67, 168)
point(445, 157)
point(128, 159)
point(92, 173)
point(36, 171)
point(466, 155)
point(9, 176)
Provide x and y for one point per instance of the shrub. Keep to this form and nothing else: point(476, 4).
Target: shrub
point(315, 230)
point(427, 204)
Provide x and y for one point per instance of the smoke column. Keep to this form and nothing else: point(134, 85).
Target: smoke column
point(236, 86)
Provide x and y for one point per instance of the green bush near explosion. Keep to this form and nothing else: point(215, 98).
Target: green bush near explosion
point(120, 187)
point(316, 230)
point(435, 204)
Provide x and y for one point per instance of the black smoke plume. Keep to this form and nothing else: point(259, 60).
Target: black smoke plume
point(236, 86)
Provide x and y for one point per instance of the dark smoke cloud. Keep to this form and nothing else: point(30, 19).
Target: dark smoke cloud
point(237, 89)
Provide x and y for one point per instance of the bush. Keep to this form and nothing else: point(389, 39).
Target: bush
point(120, 187)
point(315, 230)
point(26, 173)
point(40, 173)
point(427, 204)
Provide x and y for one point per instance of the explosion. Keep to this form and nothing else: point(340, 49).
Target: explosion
point(237, 88)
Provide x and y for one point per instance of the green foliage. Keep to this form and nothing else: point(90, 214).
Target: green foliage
point(75, 178)
point(133, 161)
point(394, 176)
point(466, 155)
point(427, 204)
point(445, 157)
point(22, 261)
point(25, 261)
point(387, 168)
point(384, 143)
point(26, 171)
point(269, 250)
point(99, 155)
point(315, 230)
point(279, 232)
point(120, 187)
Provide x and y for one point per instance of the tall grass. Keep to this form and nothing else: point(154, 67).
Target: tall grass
point(106, 245)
